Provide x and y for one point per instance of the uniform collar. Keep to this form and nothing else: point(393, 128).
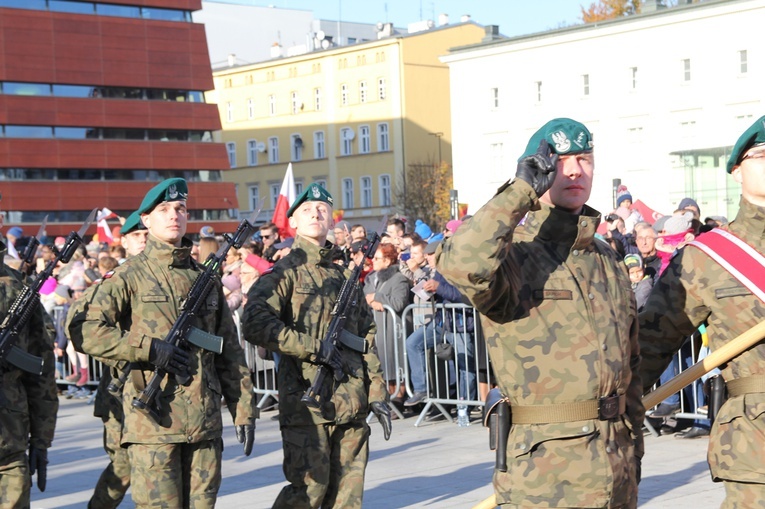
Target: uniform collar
point(750, 220)
point(167, 254)
point(314, 253)
point(575, 230)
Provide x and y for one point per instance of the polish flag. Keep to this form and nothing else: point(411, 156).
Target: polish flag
point(283, 203)
point(104, 232)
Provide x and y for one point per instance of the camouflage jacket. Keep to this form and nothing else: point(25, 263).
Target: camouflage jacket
point(561, 327)
point(105, 405)
point(693, 290)
point(28, 402)
point(141, 300)
point(288, 311)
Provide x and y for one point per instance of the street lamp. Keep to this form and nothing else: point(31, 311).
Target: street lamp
point(438, 135)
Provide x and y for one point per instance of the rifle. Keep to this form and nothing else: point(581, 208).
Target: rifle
point(336, 332)
point(28, 256)
point(26, 304)
point(182, 331)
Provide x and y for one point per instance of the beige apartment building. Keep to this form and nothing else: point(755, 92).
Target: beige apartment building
point(351, 118)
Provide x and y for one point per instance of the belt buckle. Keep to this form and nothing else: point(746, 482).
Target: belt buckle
point(608, 408)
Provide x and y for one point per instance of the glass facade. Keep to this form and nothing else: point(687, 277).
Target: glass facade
point(81, 7)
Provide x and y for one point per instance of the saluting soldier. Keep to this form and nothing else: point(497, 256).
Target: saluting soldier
point(288, 312)
point(175, 462)
point(28, 401)
point(115, 479)
point(561, 329)
point(696, 289)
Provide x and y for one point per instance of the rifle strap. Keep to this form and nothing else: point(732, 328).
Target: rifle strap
point(740, 259)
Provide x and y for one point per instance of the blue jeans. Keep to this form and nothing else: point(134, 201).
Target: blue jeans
point(465, 352)
point(671, 372)
point(418, 341)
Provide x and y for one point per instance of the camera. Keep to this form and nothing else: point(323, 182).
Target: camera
point(610, 218)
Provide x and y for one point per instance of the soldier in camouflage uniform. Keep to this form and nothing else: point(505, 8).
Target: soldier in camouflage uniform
point(28, 401)
point(115, 479)
point(288, 311)
point(561, 328)
point(695, 289)
point(177, 462)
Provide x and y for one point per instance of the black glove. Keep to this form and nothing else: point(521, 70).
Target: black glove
point(38, 462)
point(245, 433)
point(330, 356)
point(539, 170)
point(169, 357)
point(382, 411)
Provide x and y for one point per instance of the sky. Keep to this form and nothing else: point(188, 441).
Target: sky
point(514, 17)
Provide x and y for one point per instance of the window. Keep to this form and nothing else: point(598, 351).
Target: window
point(317, 99)
point(296, 144)
point(743, 68)
point(344, 94)
point(252, 152)
point(272, 105)
point(383, 141)
point(363, 92)
point(295, 101)
point(298, 188)
point(365, 141)
point(231, 149)
point(381, 89)
point(321, 182)
point(585, 84)
point(346, 141)
point(253, 197)
point(275, 188)
point(229, 112)
point(384, 190)
point(273, 150)
point(318, 145)
point(494, 98)
point(686, 69)
point(538, 86)
point(347, 193)
point(366, 192)
point(633, 78)
point(250, 108)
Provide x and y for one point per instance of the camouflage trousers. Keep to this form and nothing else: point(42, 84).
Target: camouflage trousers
point(15, 483)
point(324, 465)
point(115, 479)
point(175, 476)
point(743, 495)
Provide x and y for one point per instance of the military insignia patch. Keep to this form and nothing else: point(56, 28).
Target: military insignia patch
point(561, 141)
point(316, 192)
point(172, 192)
point(107, 275)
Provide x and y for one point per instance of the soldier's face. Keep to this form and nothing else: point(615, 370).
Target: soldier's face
point(167, 222)
point(573, 182)
point(134, 242)
point(312, 220)
point(751, 175)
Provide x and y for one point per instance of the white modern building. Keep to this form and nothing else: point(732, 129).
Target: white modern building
point(665, 93)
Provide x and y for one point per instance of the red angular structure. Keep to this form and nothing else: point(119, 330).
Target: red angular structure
point(101, 100)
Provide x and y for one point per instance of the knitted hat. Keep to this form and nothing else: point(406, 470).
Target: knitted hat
point(689, 202)
point(49, 286)
point(422, 229)
point(678, 224)
point(258, 263)
point(633, 260)
point(16, 232)
point(63, 291)
point(207, 232)
point(453, 225)
point(622, 194)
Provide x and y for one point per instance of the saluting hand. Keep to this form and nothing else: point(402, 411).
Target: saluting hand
point(539, 170)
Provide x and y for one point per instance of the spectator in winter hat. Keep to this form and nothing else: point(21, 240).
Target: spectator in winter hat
point(423, 230)
point(678, 231)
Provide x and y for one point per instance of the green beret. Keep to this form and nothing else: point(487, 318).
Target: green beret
point(751, 137)
point(314, 192)
point(565, 136)
point(174, 189)
point(132, 223)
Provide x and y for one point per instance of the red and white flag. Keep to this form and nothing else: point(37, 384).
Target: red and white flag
point(104, 232)
point(283, 203)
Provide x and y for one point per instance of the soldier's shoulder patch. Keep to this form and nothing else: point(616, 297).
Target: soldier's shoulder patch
point(106, 276)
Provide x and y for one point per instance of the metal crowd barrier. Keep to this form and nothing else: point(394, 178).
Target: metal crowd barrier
point(449, 382)
point(263, 370)
point(689, 409)
point(95, 368)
